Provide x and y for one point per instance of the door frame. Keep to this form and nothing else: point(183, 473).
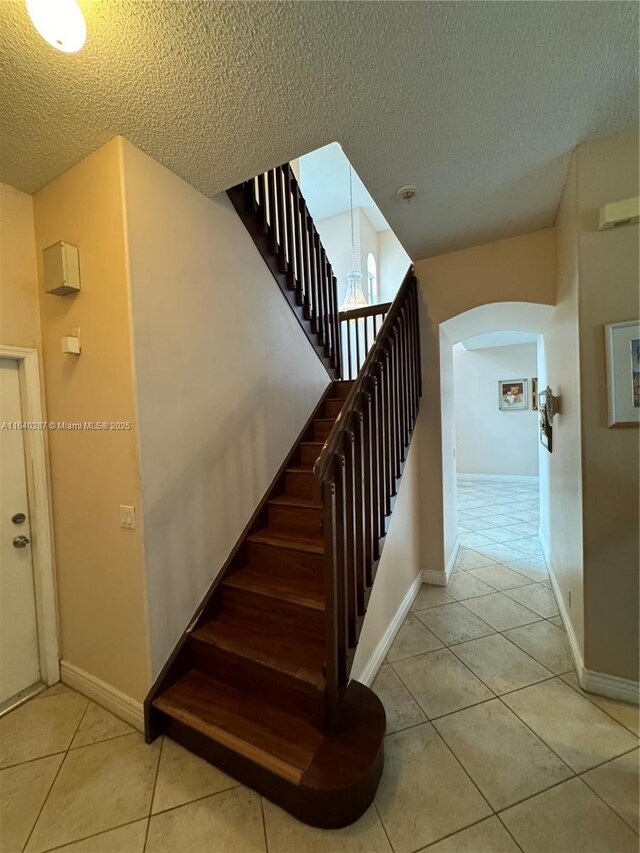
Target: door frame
point(35, 444)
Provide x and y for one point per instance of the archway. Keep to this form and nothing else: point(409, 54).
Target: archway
point(490, 319)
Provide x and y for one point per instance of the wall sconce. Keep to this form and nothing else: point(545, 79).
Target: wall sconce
point(548, 408)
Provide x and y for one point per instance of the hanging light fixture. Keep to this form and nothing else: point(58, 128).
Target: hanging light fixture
point(354, 297)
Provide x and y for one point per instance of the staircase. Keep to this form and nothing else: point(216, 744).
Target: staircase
point(259, 682)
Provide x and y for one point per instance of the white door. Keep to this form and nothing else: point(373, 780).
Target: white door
point(19, 657)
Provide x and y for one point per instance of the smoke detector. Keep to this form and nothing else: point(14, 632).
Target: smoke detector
point(406, 193)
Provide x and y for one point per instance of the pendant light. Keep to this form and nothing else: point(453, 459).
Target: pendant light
point(354, 297)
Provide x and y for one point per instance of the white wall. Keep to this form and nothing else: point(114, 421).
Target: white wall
point(490, 441)
point(335, 234)
point(225, 381)
point(368, 243)
point(393, 263)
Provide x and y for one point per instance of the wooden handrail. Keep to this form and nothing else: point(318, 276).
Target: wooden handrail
point(367, 311)
point(356, 476)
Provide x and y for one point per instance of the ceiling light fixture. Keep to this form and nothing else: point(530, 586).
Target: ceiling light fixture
point(407, 193)
point(59, 22)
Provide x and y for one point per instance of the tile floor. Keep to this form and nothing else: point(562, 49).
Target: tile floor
point(492, 747)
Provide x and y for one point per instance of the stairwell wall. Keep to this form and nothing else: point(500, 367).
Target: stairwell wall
point(225, 381)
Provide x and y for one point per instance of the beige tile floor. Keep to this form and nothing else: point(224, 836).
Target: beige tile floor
point(491, 748)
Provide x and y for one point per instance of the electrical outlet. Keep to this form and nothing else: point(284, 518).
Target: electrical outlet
point(128, 517)
point(568, 598)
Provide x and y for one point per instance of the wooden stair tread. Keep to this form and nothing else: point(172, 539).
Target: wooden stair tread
point(299, 656)
point(283, 539)
point(263, 733)
point(305, 590)
point(301, 469)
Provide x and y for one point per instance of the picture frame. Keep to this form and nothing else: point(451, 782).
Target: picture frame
point(545, 419)
point(513, 395)
point(622, 350)
point(534, 394)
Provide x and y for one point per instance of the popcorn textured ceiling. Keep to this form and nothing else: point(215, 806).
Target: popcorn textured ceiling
point(478, 104)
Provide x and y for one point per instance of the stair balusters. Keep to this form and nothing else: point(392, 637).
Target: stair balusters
point(357, 475)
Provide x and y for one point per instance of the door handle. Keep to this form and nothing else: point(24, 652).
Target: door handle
point(20, 542)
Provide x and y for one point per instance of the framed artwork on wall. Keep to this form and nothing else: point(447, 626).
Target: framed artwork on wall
point(622, 347)
point(512, 395)
point(534, 393)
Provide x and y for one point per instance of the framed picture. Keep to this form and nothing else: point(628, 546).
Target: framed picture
point(534, 393)
point(622, 346)
point(546, 422)
point(512, 395)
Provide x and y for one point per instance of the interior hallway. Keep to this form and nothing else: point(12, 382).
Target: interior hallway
point(491, 747)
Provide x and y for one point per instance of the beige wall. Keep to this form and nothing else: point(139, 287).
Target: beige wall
point(399, 564)
point(608, 262)
point(100, 568)
point(561, 470)
point(225, 381)
point(19, 310)
point(518, 269)
point(490, 440)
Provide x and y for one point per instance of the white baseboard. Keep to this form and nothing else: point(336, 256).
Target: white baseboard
point(370, 669)
point(442, 578)
point(511, 478)
point(103, 694)
point(612, 686)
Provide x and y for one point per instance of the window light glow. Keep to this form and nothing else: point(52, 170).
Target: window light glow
point(59, 22)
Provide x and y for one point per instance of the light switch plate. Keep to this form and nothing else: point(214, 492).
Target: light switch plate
point(128, 517)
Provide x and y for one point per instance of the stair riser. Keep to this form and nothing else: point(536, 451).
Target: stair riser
point(321, 430)
point(332, 408)
point(341, 389)
point(256, 679)
point(308, 455)
point(268, 615)
point(295, 519)
point(300, 484)
point(285, 562)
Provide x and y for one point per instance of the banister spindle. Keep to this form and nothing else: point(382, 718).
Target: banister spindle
point(349, 535)
point(359, 512)
point(285, 259)
point(369, 509)
point(272, 207)
point(337, 334)
point(320, 292)
point(297, 237)
point(306, 263)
